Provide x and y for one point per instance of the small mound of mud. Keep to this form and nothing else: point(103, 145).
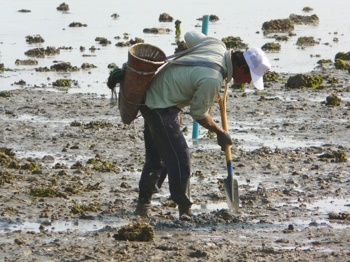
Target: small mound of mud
point(278, 25)
point(342, 56)
point(304, 80)
point(271, 76)
point(307, 41)
point(304, 20)
point(20, 83)
point(43, 69)
point(234, 42)
point(9, 160)
point(281, 38)
point(337, 156)
point(155, 30)
point(24, 11)
point(42, 52)
point(339, 216)
point(65, 83)
point(307, 9)
point(130, 42)
point(333, 100)
point(165, 18)
point(6, 178)
point(87, 66)
point(135, 232)
point(77, 24)
point(212, 18)
point(5, 94)
point(341, 64)
point(2, 68)
point(28, 62)
point(63, 7)
point(322, 62)
point(342, 61)
point(65, 67)
point(271, 47)
point(103, 41)
point(34, 39)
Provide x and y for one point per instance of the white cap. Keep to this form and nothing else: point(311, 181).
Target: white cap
point(258, 65)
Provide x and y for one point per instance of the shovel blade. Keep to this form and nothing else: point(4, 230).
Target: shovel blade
point(231, 191)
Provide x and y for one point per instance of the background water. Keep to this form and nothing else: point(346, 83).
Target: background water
point(237, 18)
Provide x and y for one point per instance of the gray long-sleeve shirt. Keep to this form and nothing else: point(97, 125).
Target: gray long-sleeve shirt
point(194, 86)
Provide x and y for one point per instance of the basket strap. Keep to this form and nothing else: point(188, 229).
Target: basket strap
point(211, 65)
point(173, 59)
point(139, 72)
point(180, 54)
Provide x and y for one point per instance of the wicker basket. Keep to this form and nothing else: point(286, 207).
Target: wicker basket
point(143, 62)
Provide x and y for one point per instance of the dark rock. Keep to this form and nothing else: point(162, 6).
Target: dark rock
point(155, 30)
point(63, 7)
point(165, 18)
point(278, 25)
point(77, 24)
point(304, 20)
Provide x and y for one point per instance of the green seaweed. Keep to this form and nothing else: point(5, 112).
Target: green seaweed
point(342, 56)
point(80, 209)
point(44, 192)
point(341, 64)
point(304, 81)
point(5, 94)
point(271, 76)
point(333, 100)
point(6, 177)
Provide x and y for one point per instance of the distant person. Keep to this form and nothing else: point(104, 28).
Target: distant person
point(193, 80)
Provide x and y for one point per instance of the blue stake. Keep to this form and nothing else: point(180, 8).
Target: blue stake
point(205, 24)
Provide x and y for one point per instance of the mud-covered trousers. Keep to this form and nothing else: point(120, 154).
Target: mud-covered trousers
point(166, 152)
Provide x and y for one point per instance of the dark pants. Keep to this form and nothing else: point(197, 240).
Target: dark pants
point(166, 152)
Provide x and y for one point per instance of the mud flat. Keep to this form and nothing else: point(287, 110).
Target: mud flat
point(69, 179)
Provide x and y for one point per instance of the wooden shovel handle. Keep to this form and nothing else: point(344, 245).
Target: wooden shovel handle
point(222, 105)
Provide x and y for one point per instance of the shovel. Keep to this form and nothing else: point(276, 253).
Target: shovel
point(230, 184)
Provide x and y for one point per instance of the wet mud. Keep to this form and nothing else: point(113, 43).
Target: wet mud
point(69, 179)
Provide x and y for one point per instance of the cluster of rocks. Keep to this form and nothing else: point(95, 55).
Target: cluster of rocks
point(63, 7)
point(130, 42)
point(234, 42)
point(103, 41)
point(65, 82)
point(342, 61)
point(42, 52)
point(34, 39)
point(286, 26)
point(77, 24)
point(156, 30)
point(278, 29)
point(28, 62)
point(64, 67)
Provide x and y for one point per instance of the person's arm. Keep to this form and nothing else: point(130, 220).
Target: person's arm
point(210, 124)
point(203, 98)
point(224, 138)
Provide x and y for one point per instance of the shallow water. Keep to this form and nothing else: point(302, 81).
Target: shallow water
point(322, 206)
point(244, 20)
point(80, 225)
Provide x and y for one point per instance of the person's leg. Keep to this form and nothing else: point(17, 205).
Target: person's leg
point(150, 173)
point(149, 176)
point(170, 142)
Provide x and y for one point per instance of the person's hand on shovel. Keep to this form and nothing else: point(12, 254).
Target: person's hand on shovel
point(224, 139)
